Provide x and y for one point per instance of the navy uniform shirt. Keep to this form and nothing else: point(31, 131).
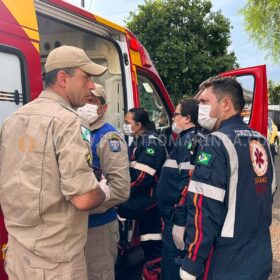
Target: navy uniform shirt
point(146, 155)
point(174, 179)
point(230, 205)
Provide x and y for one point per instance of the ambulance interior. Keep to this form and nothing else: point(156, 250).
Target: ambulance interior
point(248, 84)
point(54, 33)
point(102, 46)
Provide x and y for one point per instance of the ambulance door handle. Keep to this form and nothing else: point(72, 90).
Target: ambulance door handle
point(125, 57)
point(16, 96)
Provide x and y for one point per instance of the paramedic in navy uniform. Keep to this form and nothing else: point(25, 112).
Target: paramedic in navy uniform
point(230, 195)
point(147, 154)
point(173, 186)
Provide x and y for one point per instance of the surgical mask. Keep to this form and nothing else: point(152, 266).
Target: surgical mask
point(89, 112)
point(176, 129)
point(127, 129)
point(204, 118)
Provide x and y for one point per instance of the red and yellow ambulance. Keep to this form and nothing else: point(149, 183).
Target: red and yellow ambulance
point(30, 29)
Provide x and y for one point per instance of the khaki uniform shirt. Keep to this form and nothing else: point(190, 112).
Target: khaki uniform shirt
point(44, 162)
point(115, 168)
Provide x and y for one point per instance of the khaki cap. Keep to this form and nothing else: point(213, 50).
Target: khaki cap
point(72, 57)
point(99, 91)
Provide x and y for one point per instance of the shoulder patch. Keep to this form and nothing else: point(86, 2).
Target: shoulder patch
point(85, 134)
point(113, 137)
point(243, 133)
point(204, 159)
point(89, 159)
point(256, 134)
point(259, 158)
point(150, 151)
point(115, 145)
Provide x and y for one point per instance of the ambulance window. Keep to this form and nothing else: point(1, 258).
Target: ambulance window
point(11, 89)
point(149, 99)
point(248, 84)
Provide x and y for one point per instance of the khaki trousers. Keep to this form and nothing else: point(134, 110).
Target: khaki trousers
point(102, 251)
point(22, 264)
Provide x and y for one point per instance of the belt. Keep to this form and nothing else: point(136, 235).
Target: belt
point(95, 220)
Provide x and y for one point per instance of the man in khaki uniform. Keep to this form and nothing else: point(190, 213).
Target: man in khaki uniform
point(46, 181)
point(110, 159)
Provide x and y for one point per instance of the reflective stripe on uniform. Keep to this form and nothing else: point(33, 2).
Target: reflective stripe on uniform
point(228, 227)
point(273, 186)
point(207, 190)
point(150, 236)
point(186, 166)
point(143, 167)
point(154, 137)
point(172, 163)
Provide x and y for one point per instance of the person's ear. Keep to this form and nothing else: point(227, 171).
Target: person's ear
point(104, 108)
point(188, 119)
point(138, 125)
point(228, 105)
point(61, 78)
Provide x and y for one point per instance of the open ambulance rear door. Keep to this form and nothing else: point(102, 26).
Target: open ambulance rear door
point(254, 83)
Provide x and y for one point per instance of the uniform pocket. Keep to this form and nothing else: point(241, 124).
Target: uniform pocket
point(202, 172)
point(39, 266)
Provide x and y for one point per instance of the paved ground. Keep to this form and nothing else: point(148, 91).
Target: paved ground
point(275, 228)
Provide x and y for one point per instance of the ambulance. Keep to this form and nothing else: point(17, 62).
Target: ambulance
point(30, 29)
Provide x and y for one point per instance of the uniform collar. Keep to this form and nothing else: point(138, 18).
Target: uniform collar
point(187, 131)
point(233, 119)
point(96, 125)
point(56, 97)
point(52, 95)
point(146, 135)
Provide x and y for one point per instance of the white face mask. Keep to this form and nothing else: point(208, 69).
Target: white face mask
point(89, 112)
point(127, 129)
point(204, 118)
point(176, 129)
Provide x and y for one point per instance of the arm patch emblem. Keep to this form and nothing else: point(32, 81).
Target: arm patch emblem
point(89, 159)
point(150, 151)
point(204, 159)
point(115, 145)
point(85, 134)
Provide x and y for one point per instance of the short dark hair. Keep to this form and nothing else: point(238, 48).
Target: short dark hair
point(142, 116)
point(226, 86)
point(189, 107)
point(50, 77)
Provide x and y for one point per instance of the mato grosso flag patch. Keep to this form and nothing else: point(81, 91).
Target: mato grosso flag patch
point(85, 134)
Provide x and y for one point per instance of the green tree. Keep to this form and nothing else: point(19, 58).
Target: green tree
point(186, 41)
point(262, 21)
point(274, 93)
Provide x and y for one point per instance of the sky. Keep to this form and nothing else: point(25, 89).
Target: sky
point(246, 51)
